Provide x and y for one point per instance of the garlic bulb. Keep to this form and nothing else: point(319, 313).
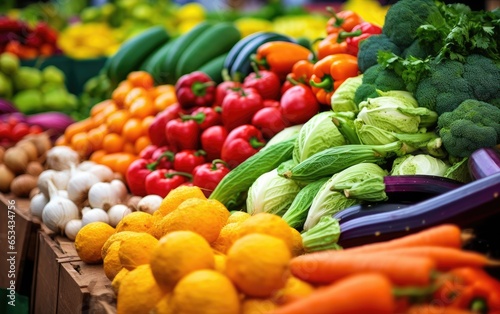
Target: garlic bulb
point(61, 157)
point(104, 173)
point(72, 227)
point(58, 211)
point(79, 185)
point(150, 203)
point(93, 215)
point(117, 212)
point(104, 195)
point(133, 202)
point(120, 188)
point(85, 165)
point(59, 179)
point(37, 204)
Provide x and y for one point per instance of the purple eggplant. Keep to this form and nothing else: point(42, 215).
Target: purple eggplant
point(7, 107)
point(55, 121)
point(484, 162)
point(463, 206)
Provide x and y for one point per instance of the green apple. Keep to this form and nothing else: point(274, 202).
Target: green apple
point(9, 63)
point(28, 101)
point(53, 74)
point(6, 88)
point(91, 14)
point(27, 78)
point(55, 100)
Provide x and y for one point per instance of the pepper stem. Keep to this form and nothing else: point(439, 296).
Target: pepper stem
point(343, 35)
point(218, 161)
point(255, 143)
point(170, 175)
point(261, 62)
point(168, 154)
point(326, 83)
point(293, 81)
point(198, 117)
point(338, 20)
point(200, 88)
point(255, 69)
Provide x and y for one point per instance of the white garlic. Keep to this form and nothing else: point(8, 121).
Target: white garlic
point(79, 185)
point(59, 179)
point(104, 173)
point(72, 227)
point(61, 157)
point(149, 203)
point(117, 212)
point(104, 195)
point(58, 211)
point(85, 165)
point(37, 204)
point(93, 215)
point(120, 188)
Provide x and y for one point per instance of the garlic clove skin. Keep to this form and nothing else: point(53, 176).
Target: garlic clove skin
point(37, 204)
point(120, 188)
point(103, 195)
point(85, 165)
point(104, 173)
point(59, 178)
point(79, 185)
point(61, 158)
point(58, 210)
point(72, 227)
point(93, 215)
point(117, 212)
point(149, 203)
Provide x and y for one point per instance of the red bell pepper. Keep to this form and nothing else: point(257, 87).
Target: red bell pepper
point(162, 157)
point(329, 73)
point(147, 152)
point(239, 107)
point(301, 74)
point(136, 175)
point(212, 140)
point(156, 130)
point(188, 159)
point(299, 104)
point(162, 181)
point(195, 89)
point(362, 32)
point(342, 21)
point(267, 83)
point(241, 143)
point(207, 116)
point(222, 89)
point(208, 175)
point(269, 121)
point(183, 133)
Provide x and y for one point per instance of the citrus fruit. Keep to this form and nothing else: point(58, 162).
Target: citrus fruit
point(228, 234)
point(269, 224)
point(138, 292)
point(205, 292)
point(115, 237)
point(90, 239)
point(111, 263)
point(238, 216)
point(135, 221)
point(205, 217)
point(178, 195)
point(297, 245)
point(115, 283)
point(258, 264)
point(294, 289)
point(257, 306)
point(178, 254)
point(136, 250)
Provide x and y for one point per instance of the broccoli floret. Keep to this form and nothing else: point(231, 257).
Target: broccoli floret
point(369, 48)
point(451, 82)
point(405, 16)
point(472, 125)
point(417, 49)
point(377, 77)
point(483, 74)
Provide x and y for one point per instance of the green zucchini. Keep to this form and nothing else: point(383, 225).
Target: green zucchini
point(231, 190)
point(213, 68)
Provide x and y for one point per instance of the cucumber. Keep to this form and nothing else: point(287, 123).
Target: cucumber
point(217, 40)
point(214, 68)
point(241, 66)
point(132, 53)
point(235, 51)
point(167, 67)
point(154, 60)
point(231, 190)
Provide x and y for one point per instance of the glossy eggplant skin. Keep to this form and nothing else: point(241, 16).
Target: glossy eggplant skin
point(484, 162)
point(463, 206)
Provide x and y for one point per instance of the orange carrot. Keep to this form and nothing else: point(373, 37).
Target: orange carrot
point(445, 258)
point(446, 235)
point(434, 309)
point(357, 294)
point(328, 266)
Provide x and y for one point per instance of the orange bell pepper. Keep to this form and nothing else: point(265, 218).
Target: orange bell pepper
point(280, 56)
point(330, 72)
point(342, 21)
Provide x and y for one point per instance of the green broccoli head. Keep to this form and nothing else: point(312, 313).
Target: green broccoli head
point(417, 49)
point(378, 77)
point(472, 125)
point(404, 18)
point(369, 48)
point(483, 75)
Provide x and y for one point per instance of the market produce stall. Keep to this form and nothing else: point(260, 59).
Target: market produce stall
point(227, 162)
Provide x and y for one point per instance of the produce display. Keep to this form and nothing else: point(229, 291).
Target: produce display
point(212, 166)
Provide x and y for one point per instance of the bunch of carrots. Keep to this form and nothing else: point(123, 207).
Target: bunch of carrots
point(424, 272)
point(117, 129)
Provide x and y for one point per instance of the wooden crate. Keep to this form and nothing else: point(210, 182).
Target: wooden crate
point(25, 228)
